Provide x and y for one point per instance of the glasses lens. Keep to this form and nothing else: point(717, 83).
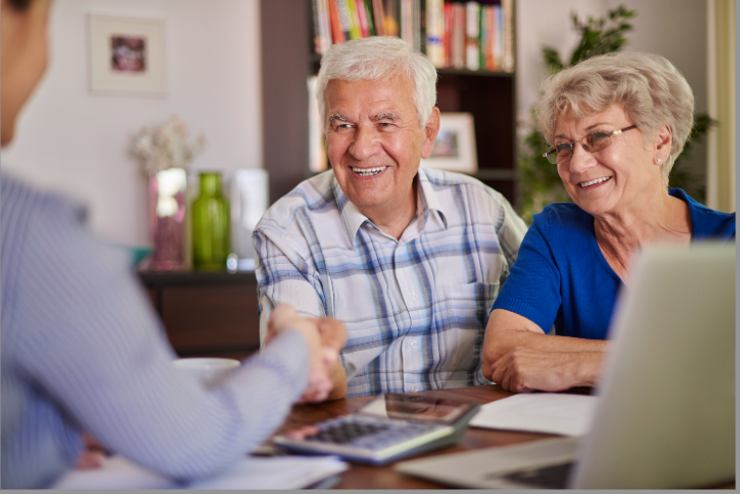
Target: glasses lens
point(563, 152)
point(552, 156)
point(598, 141)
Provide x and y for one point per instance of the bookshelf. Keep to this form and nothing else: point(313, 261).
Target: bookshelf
point(288, 59)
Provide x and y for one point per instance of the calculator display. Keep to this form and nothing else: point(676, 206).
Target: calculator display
point(417, 408)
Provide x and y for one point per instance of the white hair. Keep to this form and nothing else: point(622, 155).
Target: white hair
point(379, 57)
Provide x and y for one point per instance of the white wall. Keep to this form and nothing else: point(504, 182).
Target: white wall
point(72, 140)
point(675, 29)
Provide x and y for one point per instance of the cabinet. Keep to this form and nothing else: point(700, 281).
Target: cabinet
point(287, 62)
point(206, 313)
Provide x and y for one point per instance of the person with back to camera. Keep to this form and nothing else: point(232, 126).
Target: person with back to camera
point(616, 124)
point(82, 349)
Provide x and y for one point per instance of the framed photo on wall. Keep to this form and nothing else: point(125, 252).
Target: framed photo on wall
point(454, 149)
point(126, 55)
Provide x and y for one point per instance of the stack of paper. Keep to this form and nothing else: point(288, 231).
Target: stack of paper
point(553, 413)
point(285, 472)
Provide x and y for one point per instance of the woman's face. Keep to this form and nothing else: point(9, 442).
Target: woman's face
point(609, 180)
point(24, 59)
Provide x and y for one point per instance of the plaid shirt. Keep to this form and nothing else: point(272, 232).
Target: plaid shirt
point(415, 309)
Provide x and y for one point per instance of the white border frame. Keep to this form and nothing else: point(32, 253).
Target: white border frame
point(467, 159)
point(103, 79)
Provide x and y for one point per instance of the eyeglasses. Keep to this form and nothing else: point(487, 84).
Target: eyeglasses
point(592, 142)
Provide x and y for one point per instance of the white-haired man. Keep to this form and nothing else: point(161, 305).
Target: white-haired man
point(408, 259)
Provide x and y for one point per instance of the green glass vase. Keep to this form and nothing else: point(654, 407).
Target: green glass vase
point(210, 224)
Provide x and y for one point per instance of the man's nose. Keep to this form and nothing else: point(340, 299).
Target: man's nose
point(364, 144)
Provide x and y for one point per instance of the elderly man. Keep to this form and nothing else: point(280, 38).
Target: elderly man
point(408, 259)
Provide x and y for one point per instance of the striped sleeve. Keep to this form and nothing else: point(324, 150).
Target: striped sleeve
point(92, 344)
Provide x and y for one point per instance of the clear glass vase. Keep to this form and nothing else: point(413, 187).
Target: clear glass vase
point(167, 216)
point(210, 224)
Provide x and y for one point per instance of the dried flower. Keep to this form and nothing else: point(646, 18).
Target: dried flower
point(165, 146)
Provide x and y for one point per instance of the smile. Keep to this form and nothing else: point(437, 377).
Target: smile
point(368, 172)
point(591, 183)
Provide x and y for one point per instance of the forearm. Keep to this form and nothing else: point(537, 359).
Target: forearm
point(506, 341)
point(339, 382)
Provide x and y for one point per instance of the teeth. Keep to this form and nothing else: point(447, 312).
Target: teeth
point(367, 172)
point(593, 182)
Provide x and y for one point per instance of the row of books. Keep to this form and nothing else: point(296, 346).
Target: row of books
point(453, 34)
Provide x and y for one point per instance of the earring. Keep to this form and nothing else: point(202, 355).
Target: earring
point(658, 161)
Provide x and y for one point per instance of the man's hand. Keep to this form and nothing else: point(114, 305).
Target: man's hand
point(92, 456)
point(325, 338)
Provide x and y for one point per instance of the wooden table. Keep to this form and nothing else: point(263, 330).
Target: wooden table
point(384, 477)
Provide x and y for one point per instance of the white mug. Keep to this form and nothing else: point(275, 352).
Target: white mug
point(207, 369)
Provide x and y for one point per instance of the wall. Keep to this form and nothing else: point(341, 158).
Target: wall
point(77, 142)
point(675, 29)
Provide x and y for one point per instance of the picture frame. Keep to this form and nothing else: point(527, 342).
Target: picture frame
point(126, 55)
point(454, 148)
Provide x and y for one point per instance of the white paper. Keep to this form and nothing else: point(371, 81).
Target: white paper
point(554, 413)
point(285, 472)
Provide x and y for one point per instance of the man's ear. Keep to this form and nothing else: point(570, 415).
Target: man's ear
point(663, 143)
point(430, 133)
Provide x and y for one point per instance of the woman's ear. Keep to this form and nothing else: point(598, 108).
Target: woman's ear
point(663, 143)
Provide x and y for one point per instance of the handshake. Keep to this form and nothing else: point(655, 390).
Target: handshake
point(325, 337)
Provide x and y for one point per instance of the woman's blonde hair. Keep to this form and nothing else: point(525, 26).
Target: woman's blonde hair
point(651, 90)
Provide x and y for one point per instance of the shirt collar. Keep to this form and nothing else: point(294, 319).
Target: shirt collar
point(430, 207)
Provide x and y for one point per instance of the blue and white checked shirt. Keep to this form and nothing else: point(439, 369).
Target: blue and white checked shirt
point(415, 308)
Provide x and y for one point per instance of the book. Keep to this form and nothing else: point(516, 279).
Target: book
point(472, 35)
point(337, 34)
point(322, 29)
point(435, 28)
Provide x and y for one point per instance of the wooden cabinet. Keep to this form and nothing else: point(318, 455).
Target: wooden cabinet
point(288, 60)
point(206, 314)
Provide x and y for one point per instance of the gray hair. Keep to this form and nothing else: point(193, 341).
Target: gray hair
point(379, 57)
point(651, 90)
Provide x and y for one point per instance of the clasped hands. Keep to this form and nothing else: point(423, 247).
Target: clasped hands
point(325, 338)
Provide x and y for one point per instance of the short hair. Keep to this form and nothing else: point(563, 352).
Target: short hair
point(649, 88)
point(378, 57)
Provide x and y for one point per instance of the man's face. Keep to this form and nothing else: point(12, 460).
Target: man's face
point(374, 143)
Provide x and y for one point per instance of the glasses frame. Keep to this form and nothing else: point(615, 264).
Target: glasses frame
point(553, 151)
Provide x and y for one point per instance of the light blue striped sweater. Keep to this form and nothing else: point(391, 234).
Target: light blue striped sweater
point(82, 350)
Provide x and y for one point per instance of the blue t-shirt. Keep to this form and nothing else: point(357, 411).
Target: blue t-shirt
point(561, 278)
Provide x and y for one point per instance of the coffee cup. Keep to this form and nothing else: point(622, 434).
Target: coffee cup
point(207, 369)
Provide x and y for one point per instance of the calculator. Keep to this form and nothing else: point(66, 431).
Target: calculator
point(391, 427)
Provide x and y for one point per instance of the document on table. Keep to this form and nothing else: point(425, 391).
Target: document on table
point(284, 472)
point(554, 413)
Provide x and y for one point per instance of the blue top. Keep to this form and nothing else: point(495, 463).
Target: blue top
point(561, 278)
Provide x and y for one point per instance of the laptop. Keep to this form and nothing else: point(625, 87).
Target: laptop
point(666, 411)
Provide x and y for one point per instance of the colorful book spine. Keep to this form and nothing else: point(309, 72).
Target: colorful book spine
point(321, 25)
point(379, 16)
point(472, 35)
point(337, 34)
point(508, 35)
point(457, 59)
point(435, 29)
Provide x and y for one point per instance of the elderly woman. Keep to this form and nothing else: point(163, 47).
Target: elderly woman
point(616, 124)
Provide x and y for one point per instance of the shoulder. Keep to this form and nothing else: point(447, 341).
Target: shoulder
point(463, 192)
point(312, 196)
point(28, 209)
point(563, 215)
point(441, 180)
point(706, 222)
point(563, 222)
